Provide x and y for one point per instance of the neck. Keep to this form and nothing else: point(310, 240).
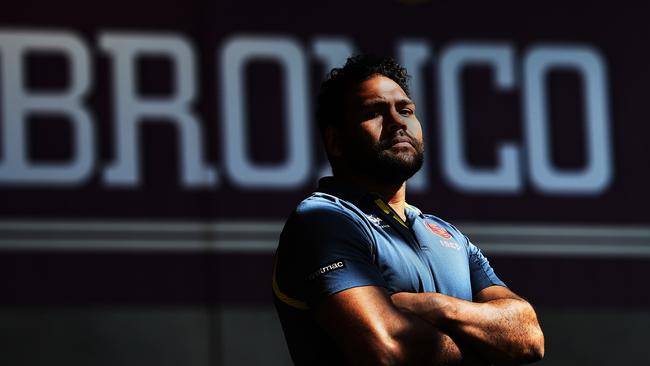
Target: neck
point(393, 194)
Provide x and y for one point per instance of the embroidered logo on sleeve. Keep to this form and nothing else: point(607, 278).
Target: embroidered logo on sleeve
point(328, 268)
point(438, 231)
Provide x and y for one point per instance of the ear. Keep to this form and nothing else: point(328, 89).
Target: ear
point(333, 141)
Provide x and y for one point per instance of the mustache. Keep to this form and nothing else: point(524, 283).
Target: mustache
point(399, 136)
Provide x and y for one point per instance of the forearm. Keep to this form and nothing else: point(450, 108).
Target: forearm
point(432, 346)
point(505, 331)
point(370, 330)
point(421, 343)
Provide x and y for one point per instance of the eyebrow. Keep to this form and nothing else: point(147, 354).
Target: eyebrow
point(376, 102)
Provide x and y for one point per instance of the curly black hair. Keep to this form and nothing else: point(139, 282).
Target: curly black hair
point(357, 69)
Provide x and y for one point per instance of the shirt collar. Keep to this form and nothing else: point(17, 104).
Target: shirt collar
point(341, 189)
point(412, 214)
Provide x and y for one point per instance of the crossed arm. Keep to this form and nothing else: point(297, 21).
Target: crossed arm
point(373, 328)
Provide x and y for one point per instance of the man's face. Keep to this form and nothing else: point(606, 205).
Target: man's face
point(381, 136)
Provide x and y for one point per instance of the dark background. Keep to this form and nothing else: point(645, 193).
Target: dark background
point(82, 294)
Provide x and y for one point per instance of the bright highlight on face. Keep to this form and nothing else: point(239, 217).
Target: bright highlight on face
point(382, 136)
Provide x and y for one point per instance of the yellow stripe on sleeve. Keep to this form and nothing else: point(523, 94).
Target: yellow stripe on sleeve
point(294, 303)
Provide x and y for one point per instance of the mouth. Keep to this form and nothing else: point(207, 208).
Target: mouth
point(402, 145)
point(400, 141)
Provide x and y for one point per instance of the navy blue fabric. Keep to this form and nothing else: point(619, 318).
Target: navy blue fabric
point(339, 238)
point(321, 232)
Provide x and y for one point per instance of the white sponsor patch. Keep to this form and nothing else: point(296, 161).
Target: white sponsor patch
point(449, 244)
point(328, 268)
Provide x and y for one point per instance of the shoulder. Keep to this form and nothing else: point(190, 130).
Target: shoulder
point(319, 206)
point(325, 203)
point(325, 214)
point(321, 230)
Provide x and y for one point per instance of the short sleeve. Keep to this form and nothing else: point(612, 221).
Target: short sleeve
point(326, 249)
point(481, 273)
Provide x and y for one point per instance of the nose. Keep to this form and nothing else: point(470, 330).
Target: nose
point(395, 121)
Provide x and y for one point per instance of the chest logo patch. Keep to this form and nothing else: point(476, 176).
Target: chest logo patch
point(438, 231)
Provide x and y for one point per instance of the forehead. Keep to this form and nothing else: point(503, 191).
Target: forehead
point(377, 88)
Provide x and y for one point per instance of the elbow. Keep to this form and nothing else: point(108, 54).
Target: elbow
point(384, 346)
point(539, 353)
point(536, 348)
point(532, 345)
point(528, 350)
point(534, 353)
point(387, 352)
point(390, 352)
point(532, 349)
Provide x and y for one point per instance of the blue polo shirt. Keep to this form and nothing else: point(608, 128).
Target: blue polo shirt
point(339, 238)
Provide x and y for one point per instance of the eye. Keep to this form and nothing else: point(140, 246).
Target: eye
point(370, 115)
point(406, 111)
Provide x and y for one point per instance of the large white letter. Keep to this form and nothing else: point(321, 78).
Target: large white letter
point(293, 172)
point(125, 49)
point(597, 174)
point(18, 103)
point(504, 178)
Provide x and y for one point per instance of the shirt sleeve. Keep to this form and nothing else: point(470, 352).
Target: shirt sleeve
point(481, 273)
point(327, 249)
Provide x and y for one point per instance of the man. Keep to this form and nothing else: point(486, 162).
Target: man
point(361, 277)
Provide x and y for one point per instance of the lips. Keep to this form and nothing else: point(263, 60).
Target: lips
point(400, 140)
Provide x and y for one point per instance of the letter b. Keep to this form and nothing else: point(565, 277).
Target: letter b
point(18, 104)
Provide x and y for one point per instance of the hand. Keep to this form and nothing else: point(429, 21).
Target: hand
point(403, 301)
